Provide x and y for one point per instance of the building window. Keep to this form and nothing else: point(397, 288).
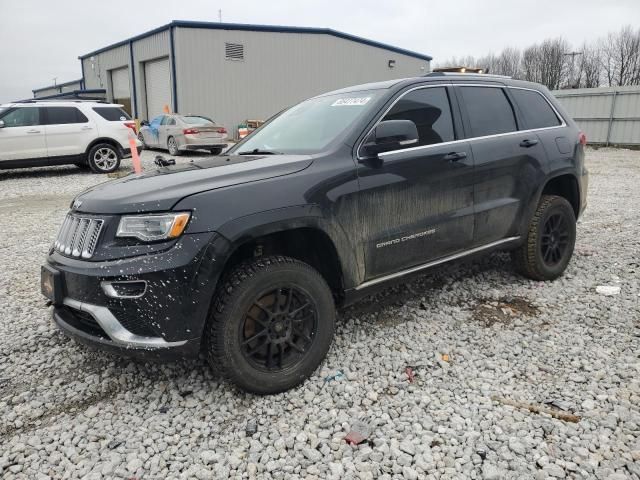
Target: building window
point(234, 51)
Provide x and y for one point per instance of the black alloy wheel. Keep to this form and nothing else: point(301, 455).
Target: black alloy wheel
point(279, 329)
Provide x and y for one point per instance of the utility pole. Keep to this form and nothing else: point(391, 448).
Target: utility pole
point(573, 56)
point(55, 81)
point(220, 15)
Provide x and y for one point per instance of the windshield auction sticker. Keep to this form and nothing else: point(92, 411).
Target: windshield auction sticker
point(351, 102)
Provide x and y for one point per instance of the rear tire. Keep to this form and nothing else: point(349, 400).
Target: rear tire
point(550, 240)
point(103, 158)
point(271, 324)
point(216, 151)
point(172, 146)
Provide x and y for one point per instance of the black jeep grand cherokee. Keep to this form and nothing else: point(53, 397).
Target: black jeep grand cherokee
point(245, 256)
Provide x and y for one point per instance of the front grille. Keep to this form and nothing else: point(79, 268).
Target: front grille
point(78, 236)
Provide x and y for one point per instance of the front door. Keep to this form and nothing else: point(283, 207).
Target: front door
point(416, 204)
point(22, 136)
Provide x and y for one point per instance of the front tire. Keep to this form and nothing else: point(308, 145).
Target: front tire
point(550, 240)
point(141, 138)
point(103, 158)
point(271, 324)
point(172, 146)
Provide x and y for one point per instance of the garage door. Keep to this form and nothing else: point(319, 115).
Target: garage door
point(158, 86)
point(120, 88)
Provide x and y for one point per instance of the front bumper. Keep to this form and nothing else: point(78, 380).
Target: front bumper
point(166, 320)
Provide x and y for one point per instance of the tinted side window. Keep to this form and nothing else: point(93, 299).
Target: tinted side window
point(535, 109)
point(165, 121)
point(171, 121)
point(21, 117)
point(112, 114)
point(489, 111)
point(64, 115)
point(429, 109)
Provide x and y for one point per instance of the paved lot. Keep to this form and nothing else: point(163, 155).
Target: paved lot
point(476, 336)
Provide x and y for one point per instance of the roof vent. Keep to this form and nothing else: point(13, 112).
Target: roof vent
point(234, 51)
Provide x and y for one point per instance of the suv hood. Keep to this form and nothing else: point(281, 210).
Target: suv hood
point(160, 189)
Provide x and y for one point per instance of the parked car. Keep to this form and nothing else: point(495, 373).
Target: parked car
point(245, 257)
point(88, 134)
point(179, 133)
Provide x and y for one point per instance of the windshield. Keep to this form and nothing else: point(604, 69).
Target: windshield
point(196, 120)
point(310, 126)
point(3, 109)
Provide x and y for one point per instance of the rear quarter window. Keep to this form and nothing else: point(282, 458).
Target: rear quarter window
point(112, 114)
point(535, 109)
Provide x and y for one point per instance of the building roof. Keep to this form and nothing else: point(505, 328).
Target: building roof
point(260, 28)
point(58, 85)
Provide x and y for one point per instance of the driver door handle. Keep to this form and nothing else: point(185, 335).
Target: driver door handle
point(454, 156)
point(33, 131)
point(527, 142)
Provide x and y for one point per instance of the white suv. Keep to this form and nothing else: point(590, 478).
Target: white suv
point(88, 134)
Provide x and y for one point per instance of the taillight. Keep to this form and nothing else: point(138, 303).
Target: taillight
point(582, 138)
point(131, 125)
point(220, 130)
point(190, 131)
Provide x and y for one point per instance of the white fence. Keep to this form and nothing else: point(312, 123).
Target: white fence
point(608, 116)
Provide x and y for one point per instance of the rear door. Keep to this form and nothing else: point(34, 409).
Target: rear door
point(416, 204)
point(537, 114)
point(68, 131)
point(22, 136)
point(508, 162)
point(152, 134)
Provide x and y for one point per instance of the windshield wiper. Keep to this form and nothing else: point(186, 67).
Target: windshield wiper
point(257, 151)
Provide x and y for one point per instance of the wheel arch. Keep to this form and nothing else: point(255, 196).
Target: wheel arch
point(563, 185)
point(108, 140)
point(302, 238)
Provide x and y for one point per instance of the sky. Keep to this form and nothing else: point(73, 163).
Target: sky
point(41, 39)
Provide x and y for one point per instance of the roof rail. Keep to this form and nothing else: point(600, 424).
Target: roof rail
point(460, 74)
point(68, 100)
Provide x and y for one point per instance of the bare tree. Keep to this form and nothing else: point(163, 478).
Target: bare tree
point(620, 57)
point(508, 62)
point(590, 67)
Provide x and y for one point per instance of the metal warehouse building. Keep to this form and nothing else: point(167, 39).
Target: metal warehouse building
point(58, 89)
point(234, 72)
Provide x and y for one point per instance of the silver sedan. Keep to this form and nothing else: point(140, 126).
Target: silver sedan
point(179, 133)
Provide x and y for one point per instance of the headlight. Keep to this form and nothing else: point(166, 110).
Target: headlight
point(149, 228)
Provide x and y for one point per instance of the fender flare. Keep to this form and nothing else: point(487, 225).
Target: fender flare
point(247, 228)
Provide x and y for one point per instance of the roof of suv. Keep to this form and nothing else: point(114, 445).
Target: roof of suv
point(438, 77)
point(62, 103)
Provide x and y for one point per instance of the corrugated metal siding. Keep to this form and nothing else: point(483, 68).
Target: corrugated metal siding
point(150, 48)
point(96, 71)
point(606, 115)
point(278, 70)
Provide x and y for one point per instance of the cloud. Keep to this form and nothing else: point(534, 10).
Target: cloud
point(42, 40)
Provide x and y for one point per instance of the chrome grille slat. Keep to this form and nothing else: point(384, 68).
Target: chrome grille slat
point(63, 228)
point(78, 236)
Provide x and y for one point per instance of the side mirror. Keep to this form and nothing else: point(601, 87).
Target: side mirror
point(2, 124)
point(391, 135)
point(144, 123)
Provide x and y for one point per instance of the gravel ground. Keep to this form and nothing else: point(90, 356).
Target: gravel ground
point(475, 335)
